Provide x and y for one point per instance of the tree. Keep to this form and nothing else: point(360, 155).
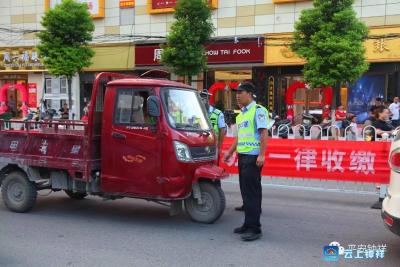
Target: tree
point(330, 38)
point(64, 42)
point(184, 52)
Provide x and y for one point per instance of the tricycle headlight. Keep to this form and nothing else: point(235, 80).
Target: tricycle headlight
point(182, 152)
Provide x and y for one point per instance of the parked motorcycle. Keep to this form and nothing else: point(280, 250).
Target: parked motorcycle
point(307, 122)
point(282, 127)
point(325, 125)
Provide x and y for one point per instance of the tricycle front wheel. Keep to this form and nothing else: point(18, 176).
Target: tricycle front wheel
point(212, 206)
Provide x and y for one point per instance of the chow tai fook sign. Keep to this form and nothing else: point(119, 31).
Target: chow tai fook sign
point(96, 7)
point(167, 6)
point(224, 52)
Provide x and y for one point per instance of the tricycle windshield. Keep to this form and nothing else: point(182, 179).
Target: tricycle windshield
point(184, 110)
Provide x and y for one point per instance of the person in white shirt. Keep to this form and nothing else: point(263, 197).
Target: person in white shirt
point(394, 109)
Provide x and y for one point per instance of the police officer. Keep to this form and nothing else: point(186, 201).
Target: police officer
point(216, 117)
point(250, 144)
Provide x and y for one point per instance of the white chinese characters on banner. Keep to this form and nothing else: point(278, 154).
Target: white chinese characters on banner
point(333, 160)
point(360, 161)
point(306, 158)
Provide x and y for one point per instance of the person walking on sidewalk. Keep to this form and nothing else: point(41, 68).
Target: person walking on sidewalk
point(250, 144)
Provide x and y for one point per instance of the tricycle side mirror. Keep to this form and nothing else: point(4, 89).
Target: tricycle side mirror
point(153, 106)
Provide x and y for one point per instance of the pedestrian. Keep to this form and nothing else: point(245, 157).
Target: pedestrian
point(352, 131)
point(216, 117)
point(64, 112)
point(372, 117)
point(42, 109)
point(250, 144)
point(382, 123)
point(340, 116)
point(394, 110)
point(378, 102)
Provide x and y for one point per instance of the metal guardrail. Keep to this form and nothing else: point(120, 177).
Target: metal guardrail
point(317, 132)
point(69, 127)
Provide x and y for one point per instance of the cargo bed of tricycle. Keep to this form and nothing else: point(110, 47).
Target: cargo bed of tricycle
point(63, 145)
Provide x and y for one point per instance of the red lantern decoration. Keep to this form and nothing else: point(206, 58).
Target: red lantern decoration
point(219, 86)
point(24, 96)
point(289, 99)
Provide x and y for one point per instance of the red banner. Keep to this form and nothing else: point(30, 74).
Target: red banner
point(327, 160)
point(244, 51)
point(32, 95)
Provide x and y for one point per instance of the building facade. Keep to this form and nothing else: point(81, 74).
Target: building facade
point(247, 45)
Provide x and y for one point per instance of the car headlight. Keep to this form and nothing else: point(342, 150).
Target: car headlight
point(182, 152)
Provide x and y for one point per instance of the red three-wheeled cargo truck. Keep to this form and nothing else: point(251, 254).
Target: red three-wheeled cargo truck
point(144, 138)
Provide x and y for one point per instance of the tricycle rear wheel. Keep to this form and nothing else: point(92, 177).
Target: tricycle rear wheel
point(19, 194)
point(213, 203)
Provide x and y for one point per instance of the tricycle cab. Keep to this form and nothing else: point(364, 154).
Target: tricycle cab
point(156, 140)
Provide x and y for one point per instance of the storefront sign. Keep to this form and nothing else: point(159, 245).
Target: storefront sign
point(120, 59)
point(126, 3)
point(20, 59)
point(251, 51)
point(167, 6)
point(96, 7)
point(381, 48)
point(246, 51)
point(32, 95)
point(278, 51)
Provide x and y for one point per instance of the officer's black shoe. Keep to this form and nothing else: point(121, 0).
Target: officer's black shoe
point(241, 208)
point(240, 230)
point(251, 236)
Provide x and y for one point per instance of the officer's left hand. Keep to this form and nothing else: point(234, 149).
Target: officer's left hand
point(260, 160)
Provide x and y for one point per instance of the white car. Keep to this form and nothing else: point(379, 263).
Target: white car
point(391, 203)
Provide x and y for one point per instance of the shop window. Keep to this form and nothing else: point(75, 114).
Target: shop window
point(47, 88)
point(63, 86)
point(56, 86)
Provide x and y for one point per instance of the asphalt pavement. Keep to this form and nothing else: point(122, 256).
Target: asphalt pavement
point(297, 224)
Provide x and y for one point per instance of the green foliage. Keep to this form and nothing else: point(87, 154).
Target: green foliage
point(64, 41)
point(330, 38)
point(184, 51)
